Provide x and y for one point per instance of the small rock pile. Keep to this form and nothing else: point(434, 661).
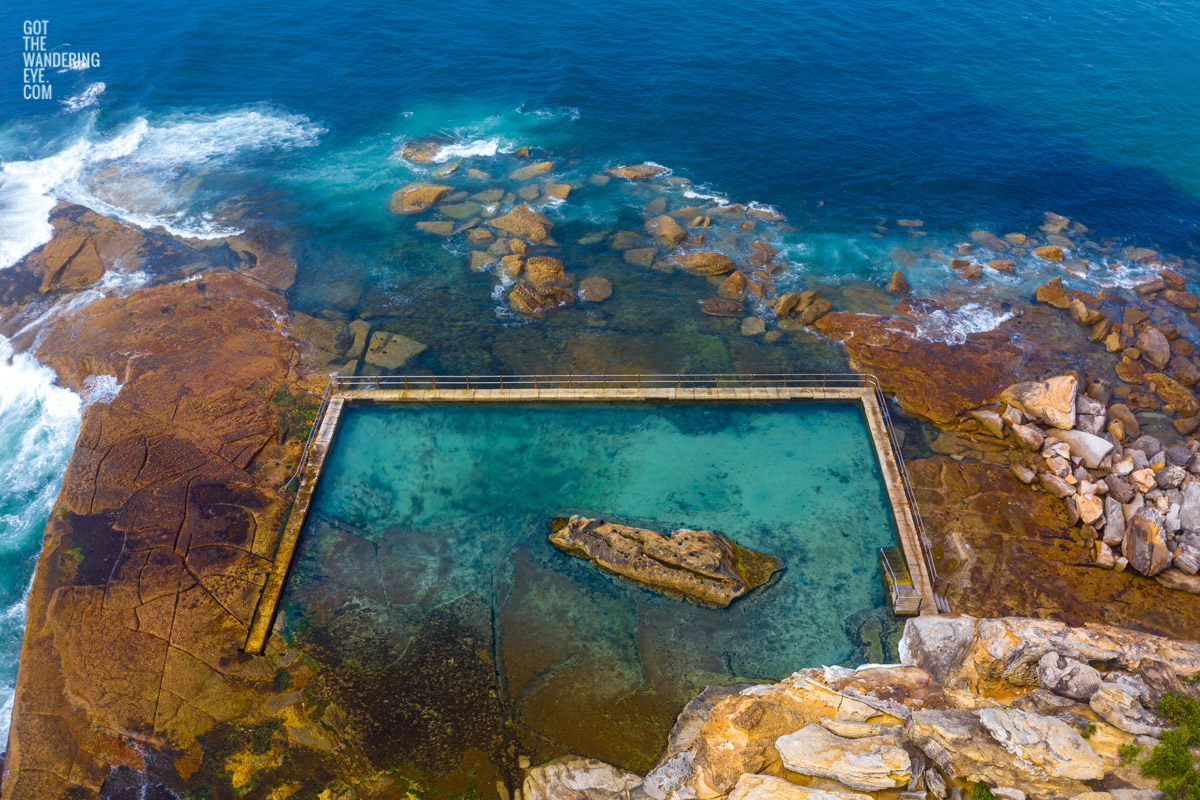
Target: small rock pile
point(1136, 502)
point(1034, 708)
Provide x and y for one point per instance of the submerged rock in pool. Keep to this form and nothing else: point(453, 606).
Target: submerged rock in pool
point(702, 566)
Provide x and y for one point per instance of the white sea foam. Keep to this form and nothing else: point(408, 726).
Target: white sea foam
point(703, 193)
point(29, 189)
point(568, 112)
point(478, 148)
point(953, 327)
point(100, 389)
point(88, 97)
point(39, 422)
point(114, 282)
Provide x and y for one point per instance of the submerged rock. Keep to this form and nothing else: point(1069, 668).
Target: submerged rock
point(524, 222)
point(534, 300)
point(416, 197)
point(702, 566)
point(636, 172)
point(391, 350)
point(705, 262)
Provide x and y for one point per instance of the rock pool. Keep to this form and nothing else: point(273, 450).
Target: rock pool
point(461, 638)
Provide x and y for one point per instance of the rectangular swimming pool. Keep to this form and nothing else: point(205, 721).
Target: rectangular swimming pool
point(433, 518)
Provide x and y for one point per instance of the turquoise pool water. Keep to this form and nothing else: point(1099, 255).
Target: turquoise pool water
point(430, 529)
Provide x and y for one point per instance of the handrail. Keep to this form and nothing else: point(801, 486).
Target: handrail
point(639, 381)
point(894, 581)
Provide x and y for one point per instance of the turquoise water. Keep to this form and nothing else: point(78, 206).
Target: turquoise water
point(38, 425)
point(421, 506)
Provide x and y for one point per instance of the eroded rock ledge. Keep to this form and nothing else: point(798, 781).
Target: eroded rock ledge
point(702, 566)
point(1035, 708)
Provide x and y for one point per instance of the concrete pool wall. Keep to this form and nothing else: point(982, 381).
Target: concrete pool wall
point(376, 390)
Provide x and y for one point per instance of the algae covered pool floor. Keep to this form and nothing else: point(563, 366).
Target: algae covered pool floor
point(457, 637)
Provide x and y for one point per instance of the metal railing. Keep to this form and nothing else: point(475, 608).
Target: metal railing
point(344, 383)
point(312, 433)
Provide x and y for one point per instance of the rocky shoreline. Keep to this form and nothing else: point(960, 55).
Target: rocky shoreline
point(1032, 708)
point(1057, 473)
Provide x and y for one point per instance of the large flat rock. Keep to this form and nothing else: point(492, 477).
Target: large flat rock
point(702, 566)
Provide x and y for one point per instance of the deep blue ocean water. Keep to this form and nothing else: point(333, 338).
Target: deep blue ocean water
point(212, 117)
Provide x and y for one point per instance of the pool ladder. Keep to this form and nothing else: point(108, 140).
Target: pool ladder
point(904, 597)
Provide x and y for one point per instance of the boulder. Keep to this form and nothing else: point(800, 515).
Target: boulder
point(1090, 507)
point(818, 308)
point(765, 787)
point(1174, 394)
point(990, 420)
point(576, 778)
point(753, 326)
point(1091, 448)
point(1189, 509)
point(989, 241)
point(705, 262)
point(536, 300)
point(720, 307)
point(1170, 477)
point(531, 171)
point(1052, 401)
point(937, 644)
point(1122, 412)
point(417, 197)
point(898, 285)
point(1145, 543)
point(701, 566)
point(391, 350)
point(594, 289)
point(734, 286)
point(1045, 746)
point(963, 748)
point(1059, 487)
point(1049, 252)
point(640, 256)
point(524, 222)
point(1185, 300)
point(1068, 677)
point(871, 763)
point(545, 271)
point(667, 230)
point(1154, 347)
point(1054, 294)
point(1119, 488)
point(1029, 436)
point(1118, 705)
point(441, 227)
point(786, 304)
point(636, 172)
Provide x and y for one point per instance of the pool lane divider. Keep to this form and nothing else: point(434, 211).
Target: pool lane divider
point(903, 514)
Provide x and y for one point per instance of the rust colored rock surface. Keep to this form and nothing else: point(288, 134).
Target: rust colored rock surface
point(172, 503)
point(705, 263)
point(417, 197)
point(701, 566)
point(1006, 549)
point(524, 222)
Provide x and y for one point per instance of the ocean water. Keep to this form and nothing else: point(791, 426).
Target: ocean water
point(424, 508)
point(38, 425)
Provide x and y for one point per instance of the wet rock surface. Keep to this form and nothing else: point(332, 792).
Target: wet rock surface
point(701, 566)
